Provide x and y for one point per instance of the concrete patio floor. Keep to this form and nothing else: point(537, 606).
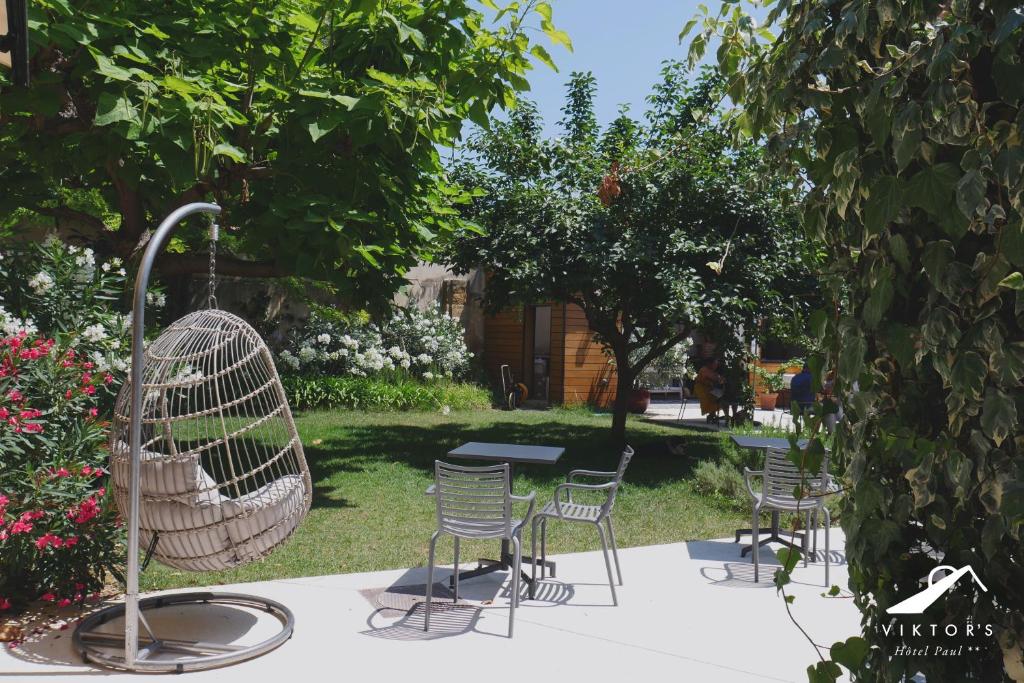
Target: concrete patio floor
point(687, 612)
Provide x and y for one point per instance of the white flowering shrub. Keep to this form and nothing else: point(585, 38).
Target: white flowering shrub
point(427, 345)
point(62, 291)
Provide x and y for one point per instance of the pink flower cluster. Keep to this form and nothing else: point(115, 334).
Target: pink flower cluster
point(87, 509)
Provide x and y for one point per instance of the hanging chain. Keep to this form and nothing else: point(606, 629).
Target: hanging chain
point(214, 234)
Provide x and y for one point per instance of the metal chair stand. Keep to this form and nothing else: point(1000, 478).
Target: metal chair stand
point(166, 655)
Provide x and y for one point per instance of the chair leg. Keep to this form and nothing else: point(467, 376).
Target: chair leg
point(615, 548)
point(533, 556)
point(517, 550)
point(828, 527)
point(544, 548)
point(814, 535)
point(430, 580)
point(755, 536)
point(607, 562)
point(804, 542)
point(455, 581)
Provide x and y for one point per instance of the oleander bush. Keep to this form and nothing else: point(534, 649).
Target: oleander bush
point(61, 362)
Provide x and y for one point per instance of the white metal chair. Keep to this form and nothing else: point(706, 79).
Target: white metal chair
point(571, 511)
point(779, 479)
point(476, 503)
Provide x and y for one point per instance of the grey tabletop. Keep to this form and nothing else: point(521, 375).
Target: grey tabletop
point(762, 442)
point(508, 452)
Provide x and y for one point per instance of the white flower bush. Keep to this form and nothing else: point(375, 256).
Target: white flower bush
point(411, 342)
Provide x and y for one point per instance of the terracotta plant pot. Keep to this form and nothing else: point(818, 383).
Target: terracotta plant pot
point(639, 400)
point(768, 401)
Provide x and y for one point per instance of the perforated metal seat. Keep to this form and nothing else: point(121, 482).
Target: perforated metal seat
point(572, 511)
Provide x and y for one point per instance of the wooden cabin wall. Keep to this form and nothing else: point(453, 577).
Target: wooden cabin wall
point(589, 378)
point(503, 344)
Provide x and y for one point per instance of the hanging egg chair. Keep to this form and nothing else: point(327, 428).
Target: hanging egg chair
point(206, 467)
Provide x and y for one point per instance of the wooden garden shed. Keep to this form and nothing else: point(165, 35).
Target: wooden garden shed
point(551, 349)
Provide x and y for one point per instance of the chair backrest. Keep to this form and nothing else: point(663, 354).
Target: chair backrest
point(473, 502)
point(781, 477)
point(627, 455)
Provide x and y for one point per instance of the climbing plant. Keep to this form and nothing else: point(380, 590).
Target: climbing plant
point(903, 123)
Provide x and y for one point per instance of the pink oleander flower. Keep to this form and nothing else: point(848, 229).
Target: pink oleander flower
point(71, 542)
point(64, 602)
point(4, 604)
point(62, 473)
point(86, 471)
point(15, 395)
point(93, 412)
point(89, 390)
point(20, 527)
point(108, 378)
point(47, 597)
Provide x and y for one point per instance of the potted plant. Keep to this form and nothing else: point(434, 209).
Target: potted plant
point(639, 397)
point(773, 383)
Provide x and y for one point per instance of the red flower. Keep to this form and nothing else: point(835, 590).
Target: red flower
point(64, 602)
point(62, 472)
point(89, 390)
point(15, 395)
point(68, 394)
point(70, 542)
point(4, 604)
point(93, 412)
point(47, 597)
point(86, 471)
point(108, 378)
point(20, 527)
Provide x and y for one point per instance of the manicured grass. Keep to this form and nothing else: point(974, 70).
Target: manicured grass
point(370, 471)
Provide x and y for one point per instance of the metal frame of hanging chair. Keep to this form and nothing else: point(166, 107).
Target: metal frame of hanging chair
point(202, 528)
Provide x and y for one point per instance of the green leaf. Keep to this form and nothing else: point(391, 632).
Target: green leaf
point(107, 68)
point(970, 194)
point(788, 558)
point(541, 54)
point(1007, 363)
point(969, 373)
point(556, 36)
point(883, 204)
point(230, 151)
point(112, 109)
point(1013, 281)
point(907, 133)
point(851, 358)
point(544, 10)
point(998, 415)
point(851, 653)
point(878, 301)
point(824, 672)
point(932, 188)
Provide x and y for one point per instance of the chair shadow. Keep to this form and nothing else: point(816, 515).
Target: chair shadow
point(447, 620)
point(737, 572)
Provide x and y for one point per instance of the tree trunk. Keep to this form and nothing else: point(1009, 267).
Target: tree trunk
point(623, 389)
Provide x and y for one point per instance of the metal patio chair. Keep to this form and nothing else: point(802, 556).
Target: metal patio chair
point(570, 511)
point(779, 478)
point(476, 503)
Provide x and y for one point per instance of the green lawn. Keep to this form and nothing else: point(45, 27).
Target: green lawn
point(370, 471)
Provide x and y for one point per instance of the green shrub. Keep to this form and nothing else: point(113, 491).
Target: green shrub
point(363, 393)
point(720, 480)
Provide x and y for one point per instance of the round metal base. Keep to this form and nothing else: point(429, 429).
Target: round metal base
point(160, 655)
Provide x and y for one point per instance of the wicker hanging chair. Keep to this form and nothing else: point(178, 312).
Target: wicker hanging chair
point(223, 478)
point(207, 470)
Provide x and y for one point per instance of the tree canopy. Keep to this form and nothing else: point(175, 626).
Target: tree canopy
point(904, 120)
point(653, 227)
point(315, 124)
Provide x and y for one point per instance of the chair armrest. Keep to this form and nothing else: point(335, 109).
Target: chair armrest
point(589, 473)
point(530, 498)
point(431, 490)
point(569, 487)
point(749, 474)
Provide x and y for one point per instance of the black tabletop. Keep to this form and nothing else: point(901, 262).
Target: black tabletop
point(507, 452)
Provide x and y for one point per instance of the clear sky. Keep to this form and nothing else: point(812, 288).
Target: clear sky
point(623, 42)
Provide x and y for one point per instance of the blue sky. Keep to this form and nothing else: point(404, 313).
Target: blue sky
point(622, 42)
